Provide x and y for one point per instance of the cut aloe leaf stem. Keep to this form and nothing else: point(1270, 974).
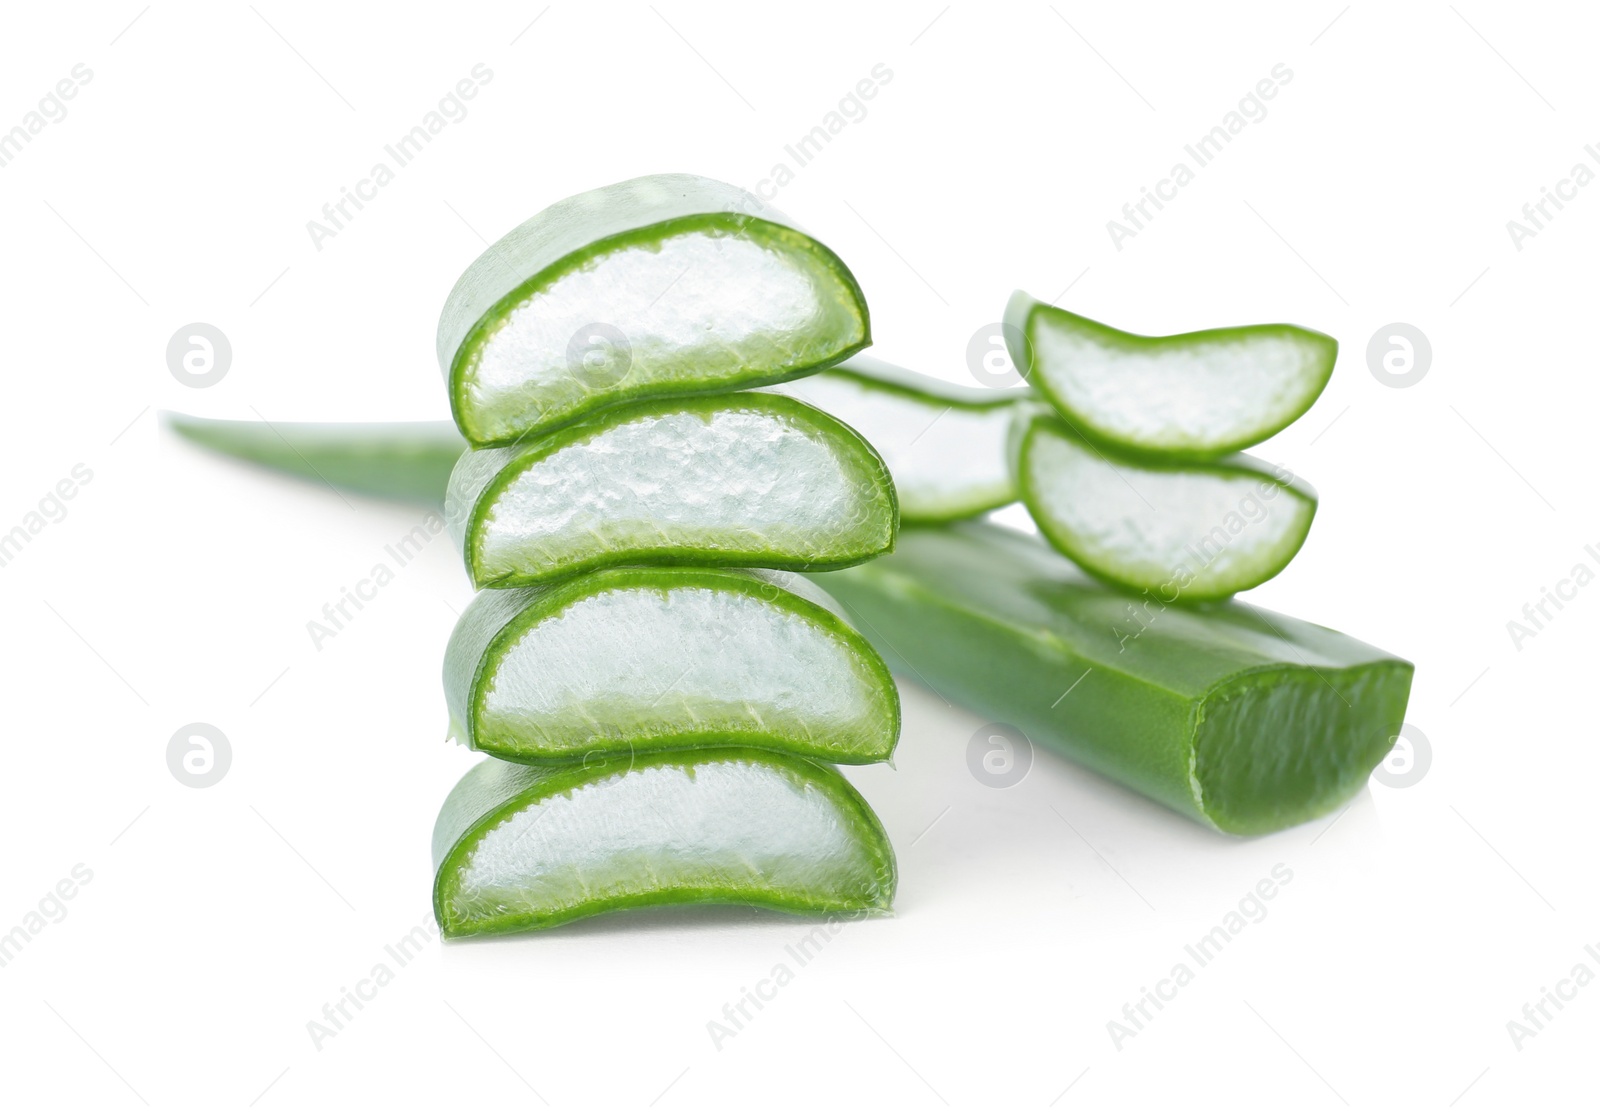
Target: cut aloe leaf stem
point(1191, 532)
point(735, 480)
point(1196, 395)
point(404, 461)
point(662, 285)
point(632, 660)
point(945, 444)
point(1242, 719)
point(518, 847)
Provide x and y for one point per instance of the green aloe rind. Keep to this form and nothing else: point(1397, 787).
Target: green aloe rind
point(1196, 395)
point(732, 480)
point(944, 443)
point(405, 461)
point(662, 285)
point(1185, 531)
point(522, 847)
point(1242, 719)
point(636, 660)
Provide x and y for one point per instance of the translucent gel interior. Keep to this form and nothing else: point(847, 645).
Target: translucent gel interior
point(943, 458)
point(640, 662)
point(738, 479)
point(1148, 525)
point(692, 308)
point(1194, 395)
point(714, 824)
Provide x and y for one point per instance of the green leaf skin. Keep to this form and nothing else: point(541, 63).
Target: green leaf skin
point(519, 847)
point(636, 660)
point(944, 443)
point(1189, 532)
point(407, 462)
point(1244, 720)
point(732, 480)
point(1193, 396)
point(711, 289)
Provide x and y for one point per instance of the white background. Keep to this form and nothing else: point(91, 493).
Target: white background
point(178, 588)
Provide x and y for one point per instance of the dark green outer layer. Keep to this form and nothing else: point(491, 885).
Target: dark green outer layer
point(1242, 719)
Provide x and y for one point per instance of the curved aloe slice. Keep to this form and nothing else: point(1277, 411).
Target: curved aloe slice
point(520, 848)
point(735, 480)
point(944, 444)
point(1194, 395)
point(1242, 719)
point(1194, 531)
point(631, 660)
point(406, 461)
point(669, 284)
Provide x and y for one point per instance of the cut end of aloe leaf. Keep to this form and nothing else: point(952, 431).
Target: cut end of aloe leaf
point(1194, 395)
point(639, 660)
point(522, 848)
point(662, 285)
point(409, 461)
point(1190, 532)
point(944, 444)
point(1277, 748)
point(740, 480)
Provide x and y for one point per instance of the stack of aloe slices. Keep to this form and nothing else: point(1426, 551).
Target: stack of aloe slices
point(661, 719)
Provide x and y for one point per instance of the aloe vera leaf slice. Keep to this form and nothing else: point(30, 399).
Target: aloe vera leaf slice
point(945, 444)
point(1242, 719)
point(521, 847)
point(634, 660)
point(1195, 395)
point(1183, 531)
point(663, 285)
point(732, 480)
point(406, 461)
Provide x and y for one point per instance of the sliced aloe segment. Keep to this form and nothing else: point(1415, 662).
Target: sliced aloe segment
point(1194, 532)
point(734, 480)
point(632, 660)
point(668, 284)
point(519, 847)
point(945, 444)
point(406, 461)
point(1194, 395)
point(1245, 720)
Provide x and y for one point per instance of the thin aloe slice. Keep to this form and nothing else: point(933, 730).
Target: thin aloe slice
point(668, 284)
point(945, 444)
point(1195, 531)
point(633, 660)
point(404, 461)
point(1242, 719)
point(1195, 395)
point(520, 847)
point(733, 480)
